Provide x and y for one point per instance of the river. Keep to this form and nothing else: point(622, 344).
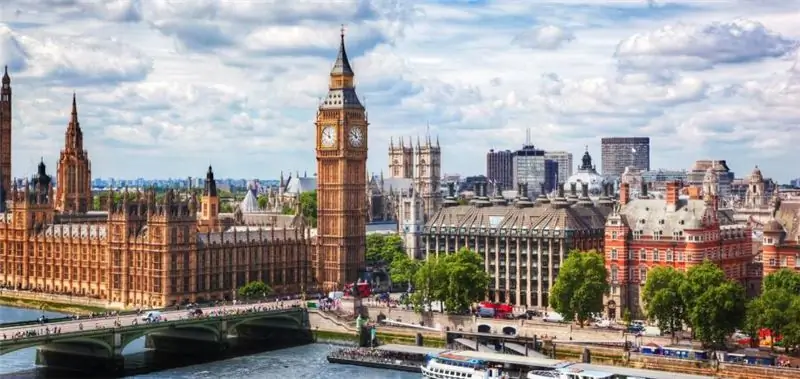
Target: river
point(306, 362)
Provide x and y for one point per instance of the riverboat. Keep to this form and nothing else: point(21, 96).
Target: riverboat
point(453, 366)
point(574, 373)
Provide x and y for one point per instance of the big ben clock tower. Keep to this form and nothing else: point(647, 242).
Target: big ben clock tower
point(341, 146)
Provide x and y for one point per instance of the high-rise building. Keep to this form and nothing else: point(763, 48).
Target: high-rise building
point(531, 168)
point(73, 186)
point(564, 160)
point(619, 152)
point(500, 168)
point(341, 150)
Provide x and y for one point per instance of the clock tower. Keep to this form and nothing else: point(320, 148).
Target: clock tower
point(341, 147)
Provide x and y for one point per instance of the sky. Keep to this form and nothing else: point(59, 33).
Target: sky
point(165, 88)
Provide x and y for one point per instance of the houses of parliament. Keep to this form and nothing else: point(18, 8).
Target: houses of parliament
point(141, 251)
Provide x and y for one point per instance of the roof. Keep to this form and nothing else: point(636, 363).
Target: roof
point(249, 204)
point(411, 349)
point(509, 359)
point(254, 235)
point(788, 215)
point(76, 230)
point(650, 215)
point(388, 185)
point(540, 217)
point(635, 372)
point(298, 185)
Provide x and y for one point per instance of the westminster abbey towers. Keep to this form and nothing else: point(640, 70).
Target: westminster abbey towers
point(422, 164)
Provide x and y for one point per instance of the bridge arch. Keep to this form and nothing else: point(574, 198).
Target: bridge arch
point(130, 336)
point(282, 320)
point(484, 328)
point(510, 330)
point(46, 340)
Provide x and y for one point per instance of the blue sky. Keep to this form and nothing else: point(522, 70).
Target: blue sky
point(166, 87)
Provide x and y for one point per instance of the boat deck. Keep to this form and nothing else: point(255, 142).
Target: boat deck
point(636, 372)
point(410, 349)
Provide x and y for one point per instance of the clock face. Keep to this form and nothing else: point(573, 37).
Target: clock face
point(328, 138)
point(356, 137)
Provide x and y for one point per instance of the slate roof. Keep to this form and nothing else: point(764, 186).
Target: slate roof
point(651, 215)
point(76, 231)
point(249, 204)
point(788, 216)
point(298, 185)
point(549, 216)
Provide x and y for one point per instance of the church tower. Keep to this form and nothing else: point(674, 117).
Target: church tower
point(209, 216)
point(341, 149)
point(5, 131)
point(428, 175)
point(401, 159)
point(74, 183)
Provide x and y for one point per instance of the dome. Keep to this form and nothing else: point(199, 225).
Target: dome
point(593, 179)
point(773, 226)
point(755, 176)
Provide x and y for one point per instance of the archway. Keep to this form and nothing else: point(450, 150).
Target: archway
point(483, 328)
point(509, 330)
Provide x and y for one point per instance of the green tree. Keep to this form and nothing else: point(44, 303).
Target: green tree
point(663, 302)
point(263, 200)
point(404, 269)
point(777, 308)
point(579, 288)
point(466, 280)
point(384, 248)
point(715, 306)
point(226, 207)
point(308, 207)
point(287, 210)
point(428, 281)
point(785, 279)
point(254, 290)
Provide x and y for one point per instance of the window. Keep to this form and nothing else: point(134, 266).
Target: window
point(630, 255)
point(784, 262)
point(669, 255)
point(655, 255)
point(613, 235)
point(643, 254)
point(797, 260)
point(614, 274)
point(772, 262)
point(613, 254)
point(643, 274)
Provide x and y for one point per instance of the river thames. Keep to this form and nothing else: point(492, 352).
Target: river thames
point(307, 362)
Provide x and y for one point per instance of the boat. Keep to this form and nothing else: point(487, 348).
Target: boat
point(573, 373)
point(450, 365)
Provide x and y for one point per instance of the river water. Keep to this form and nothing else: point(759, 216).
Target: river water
point(306, 362)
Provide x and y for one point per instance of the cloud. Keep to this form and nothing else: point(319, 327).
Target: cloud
point(546, 37)
point(695, 47)
point(166, 87)
point(74, 61)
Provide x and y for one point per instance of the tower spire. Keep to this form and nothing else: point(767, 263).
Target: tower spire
point(342, 65)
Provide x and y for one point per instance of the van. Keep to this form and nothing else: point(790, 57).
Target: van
point(151, 316)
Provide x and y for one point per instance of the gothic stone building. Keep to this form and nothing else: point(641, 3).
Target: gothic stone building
point(522, 242)
point(140, 252)
point(645, 233)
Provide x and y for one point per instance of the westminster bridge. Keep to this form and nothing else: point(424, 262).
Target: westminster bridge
point(96, 344)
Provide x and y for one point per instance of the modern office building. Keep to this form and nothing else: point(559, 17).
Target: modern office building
point(619, 152)
point(500, 167)
point(564, 160)
point(530, 167)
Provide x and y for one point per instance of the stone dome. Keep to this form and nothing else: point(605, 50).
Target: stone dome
point(755, 176)
point(586, 174)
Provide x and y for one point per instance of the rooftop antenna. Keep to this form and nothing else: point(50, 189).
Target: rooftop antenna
point(528, 137)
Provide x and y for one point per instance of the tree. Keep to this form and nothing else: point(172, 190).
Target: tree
point(254, 290)
point(263, 201)
point(778, 308)
point(466, 280)
point(308, 207)
point(784, 279)
point(225, 207)
point(579, 288)
point(715, 306)
point(663, 302)
point(403, 269)
point(384, 248)
point(428, 281)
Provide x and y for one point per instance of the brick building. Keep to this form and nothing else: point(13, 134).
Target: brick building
point(781, 242)
point(680, 232)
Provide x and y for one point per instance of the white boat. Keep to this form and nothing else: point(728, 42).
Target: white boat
point(572, 373)
point(453, 366)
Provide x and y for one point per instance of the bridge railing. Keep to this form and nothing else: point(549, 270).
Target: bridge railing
point(124, 313)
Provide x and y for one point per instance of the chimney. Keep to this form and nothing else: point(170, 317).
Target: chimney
point(561, 190)
point(643, 191)
point(573, 190)
point(624, 193)
point(672, 196)
point(585, 190)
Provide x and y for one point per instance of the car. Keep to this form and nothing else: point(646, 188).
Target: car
point(194, 312)
point(151, 316)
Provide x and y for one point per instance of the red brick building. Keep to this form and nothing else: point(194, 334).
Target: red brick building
point(781, 243)
point(681, 232)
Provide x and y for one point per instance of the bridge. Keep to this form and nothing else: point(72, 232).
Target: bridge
point(97, 343)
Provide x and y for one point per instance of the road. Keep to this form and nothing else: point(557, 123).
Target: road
point(88, 323)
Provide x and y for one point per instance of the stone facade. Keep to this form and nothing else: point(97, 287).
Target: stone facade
point(74, 190)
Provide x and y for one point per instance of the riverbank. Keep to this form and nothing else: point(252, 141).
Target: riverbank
point(321, 335)
point(47, 305)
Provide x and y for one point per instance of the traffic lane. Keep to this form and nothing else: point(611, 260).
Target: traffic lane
point(126, 320)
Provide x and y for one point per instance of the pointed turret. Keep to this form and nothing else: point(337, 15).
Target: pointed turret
point(342, 64)
point(6, 78)
point(211, 184)
point(74, 134)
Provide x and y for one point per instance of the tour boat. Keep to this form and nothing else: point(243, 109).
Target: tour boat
point(453, 366)
point(571, 373)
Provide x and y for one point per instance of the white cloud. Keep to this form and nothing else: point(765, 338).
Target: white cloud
point(698, 47)
point(168, 86)
point(75, 60)
point(546, 37)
